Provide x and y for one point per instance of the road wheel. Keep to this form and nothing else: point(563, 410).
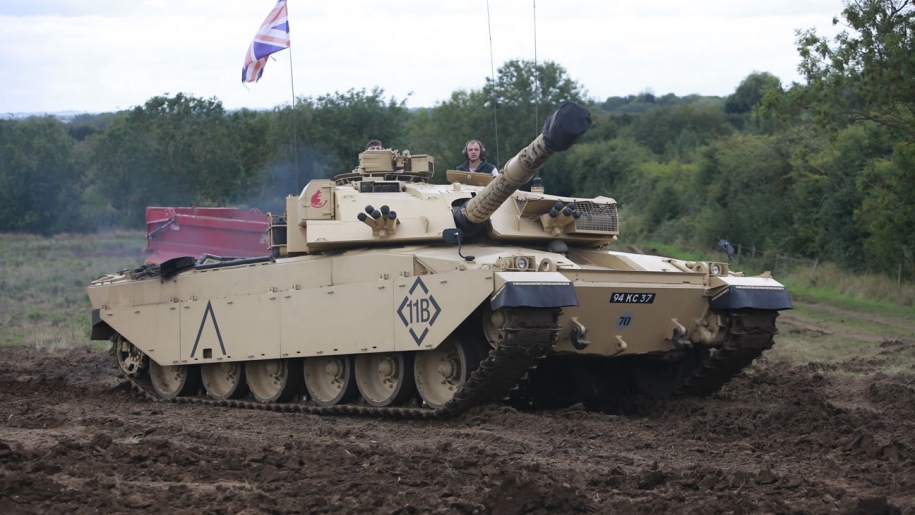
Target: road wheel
point(273, 380)
point(330, 380)
point(385, 379)
point(224, 380)
point(440, 372)
point(170, 381)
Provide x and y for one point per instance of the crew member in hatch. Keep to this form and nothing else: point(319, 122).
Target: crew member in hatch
point(474, 153)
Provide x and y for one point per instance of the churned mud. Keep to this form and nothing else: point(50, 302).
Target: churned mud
point(779, 439)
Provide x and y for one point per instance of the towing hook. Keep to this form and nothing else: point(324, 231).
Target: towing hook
point(680, 341)
point(578, 335)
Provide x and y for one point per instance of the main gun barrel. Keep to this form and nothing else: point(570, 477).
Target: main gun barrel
point(561, 130)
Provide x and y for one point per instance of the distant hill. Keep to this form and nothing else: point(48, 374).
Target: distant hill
point(64, 116)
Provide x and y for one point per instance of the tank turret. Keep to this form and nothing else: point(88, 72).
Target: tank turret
point(561, 130)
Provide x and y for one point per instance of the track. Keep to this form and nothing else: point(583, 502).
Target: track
point(527, 336)
point(749, 334)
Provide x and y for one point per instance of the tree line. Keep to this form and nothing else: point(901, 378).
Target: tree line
point(822, 169)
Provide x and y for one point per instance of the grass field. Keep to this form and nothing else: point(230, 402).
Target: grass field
point(43, 300)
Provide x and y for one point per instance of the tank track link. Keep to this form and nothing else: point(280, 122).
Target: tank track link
point(749, 334)
point(527, 336)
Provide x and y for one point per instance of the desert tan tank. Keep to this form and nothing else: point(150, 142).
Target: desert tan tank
point(387, 294)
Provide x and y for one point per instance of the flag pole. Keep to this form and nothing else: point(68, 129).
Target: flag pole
point(272, 37)
point(295, 145)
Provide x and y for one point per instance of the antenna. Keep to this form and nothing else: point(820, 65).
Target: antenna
point(492, 70)
point(295, 144)
point(536, 77)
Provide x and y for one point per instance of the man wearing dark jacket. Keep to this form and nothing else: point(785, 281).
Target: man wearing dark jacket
point(475, 162)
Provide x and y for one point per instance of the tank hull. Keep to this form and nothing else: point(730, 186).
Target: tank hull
point(295, 307)
point(413, 300)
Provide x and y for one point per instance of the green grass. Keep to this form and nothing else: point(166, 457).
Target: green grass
point(865, 292)
point(823, 283)
point(43, 299)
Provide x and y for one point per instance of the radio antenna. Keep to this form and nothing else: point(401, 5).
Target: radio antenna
point(492, 70)
point(536, 78)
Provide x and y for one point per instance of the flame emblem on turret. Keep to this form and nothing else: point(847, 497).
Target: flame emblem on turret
point(317, 201)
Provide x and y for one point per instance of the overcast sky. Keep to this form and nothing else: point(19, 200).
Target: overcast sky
point(105, 55)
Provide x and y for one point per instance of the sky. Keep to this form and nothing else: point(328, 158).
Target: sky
point(108, 55)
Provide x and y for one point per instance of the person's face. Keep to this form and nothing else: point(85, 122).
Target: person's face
point(473, 151)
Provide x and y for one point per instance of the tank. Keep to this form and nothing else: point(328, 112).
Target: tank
point(385, 294)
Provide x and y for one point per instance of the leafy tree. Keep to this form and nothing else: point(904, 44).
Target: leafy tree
point(609, 168)
point(677, 131)
point(740, 191)
point(524, 94)
point(343, 122)
point(860, 86)
point(250, 138)
point(826, 195)
point(118, 185)
point(194, 159)
point(867, 73)
point(888, 209)
point(516, 103)
point(442, 130)
point(85, 125)
point(750, 93)
point(39, 177)
point(173, 151)
point(746, 107)
point(664, 191)
point(291, 160)
point(630, 104)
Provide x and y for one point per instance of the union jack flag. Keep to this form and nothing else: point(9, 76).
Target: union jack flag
point(271, 37)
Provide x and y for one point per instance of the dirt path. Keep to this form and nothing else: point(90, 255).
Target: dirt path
point(870, 317)
point(781, 438)
point(788, 320)
point(804, 325)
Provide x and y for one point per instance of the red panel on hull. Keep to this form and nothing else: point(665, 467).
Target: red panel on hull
point(193, 231)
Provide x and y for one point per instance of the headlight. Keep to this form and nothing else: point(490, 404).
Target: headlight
point(714, 269)
point(522, 263)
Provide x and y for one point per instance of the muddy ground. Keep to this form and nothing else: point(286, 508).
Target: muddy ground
point(779, 439)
